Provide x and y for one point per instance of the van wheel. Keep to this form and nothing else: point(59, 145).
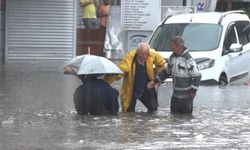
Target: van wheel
point(222, 80)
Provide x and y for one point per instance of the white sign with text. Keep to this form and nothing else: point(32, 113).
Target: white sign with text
point(140, 14)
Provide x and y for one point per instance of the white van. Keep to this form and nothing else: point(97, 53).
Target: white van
point(218, 41)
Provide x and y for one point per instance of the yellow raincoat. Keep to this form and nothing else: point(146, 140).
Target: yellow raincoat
point(154, 64)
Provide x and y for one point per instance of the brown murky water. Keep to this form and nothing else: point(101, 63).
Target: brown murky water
point(37, 112)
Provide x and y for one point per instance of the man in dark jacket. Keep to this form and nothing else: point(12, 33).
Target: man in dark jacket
point(186, 77)
point(96, 97)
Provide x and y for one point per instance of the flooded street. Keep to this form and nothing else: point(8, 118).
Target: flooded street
point(37, 113)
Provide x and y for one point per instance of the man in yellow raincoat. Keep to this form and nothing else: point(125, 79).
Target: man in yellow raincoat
point(139, 66)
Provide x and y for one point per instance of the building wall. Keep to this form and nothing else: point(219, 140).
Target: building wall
point(225, 6)
point(2, 24)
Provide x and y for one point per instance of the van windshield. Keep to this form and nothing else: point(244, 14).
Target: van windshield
point(197, 37)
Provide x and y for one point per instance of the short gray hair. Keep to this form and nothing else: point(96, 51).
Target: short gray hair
point(178, 41)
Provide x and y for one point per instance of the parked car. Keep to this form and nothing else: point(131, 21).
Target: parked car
point(219, 42)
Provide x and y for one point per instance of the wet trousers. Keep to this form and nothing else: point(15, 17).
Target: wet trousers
point(149, 100)
point(181, 105)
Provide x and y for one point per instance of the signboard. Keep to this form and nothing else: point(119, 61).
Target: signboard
point(135, 37)
point(205, 5)
point(140, 14)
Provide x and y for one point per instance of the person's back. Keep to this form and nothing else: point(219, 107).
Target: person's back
point(97, 98)
point(81, 104)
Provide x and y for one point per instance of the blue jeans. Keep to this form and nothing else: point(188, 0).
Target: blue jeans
point(90, 23)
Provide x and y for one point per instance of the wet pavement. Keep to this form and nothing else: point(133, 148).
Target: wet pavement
point(37, 113)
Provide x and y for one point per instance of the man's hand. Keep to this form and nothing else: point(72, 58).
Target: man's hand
point(86, 3)
point(151, 84)
point(192, 94)
point(67, 69)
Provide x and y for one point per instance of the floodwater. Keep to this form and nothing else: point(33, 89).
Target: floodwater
point(37, 113)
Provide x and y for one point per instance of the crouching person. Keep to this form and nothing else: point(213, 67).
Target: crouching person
point(95, 97)
point(138, 68)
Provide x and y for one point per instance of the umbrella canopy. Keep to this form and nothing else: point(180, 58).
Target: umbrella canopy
point(91, 64)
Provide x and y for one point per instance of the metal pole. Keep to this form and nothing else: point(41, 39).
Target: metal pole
point(88, 49)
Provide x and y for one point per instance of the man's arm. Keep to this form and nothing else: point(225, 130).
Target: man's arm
point(97, 3)
point(164, 74)
point(102, 13)
point(124, 65)
point(84, 3)
point(159, 62)
point(112, 77)
point(195, 75)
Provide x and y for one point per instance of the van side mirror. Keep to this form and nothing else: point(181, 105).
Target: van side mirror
point(235, 47)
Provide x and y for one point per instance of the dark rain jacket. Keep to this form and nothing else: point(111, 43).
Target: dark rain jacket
point(97, 98)
point(185, 74)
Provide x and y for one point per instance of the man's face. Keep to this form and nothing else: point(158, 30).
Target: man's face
point(175, 48)
point(143, 54)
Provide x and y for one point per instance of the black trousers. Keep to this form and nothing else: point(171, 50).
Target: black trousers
point(181, 105)
point(149, 100)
